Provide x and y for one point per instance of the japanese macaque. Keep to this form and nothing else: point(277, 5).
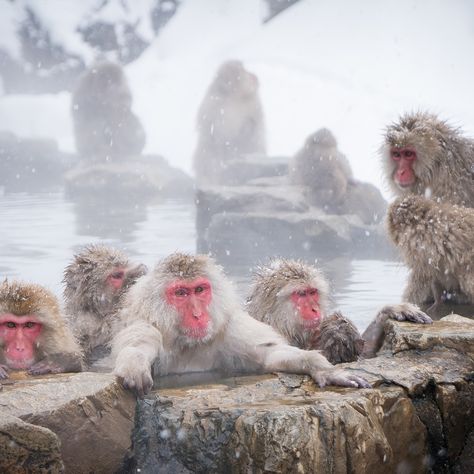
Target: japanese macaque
point(322, 168)
point(105, 127)
point(33, 334)
point(95, 282)
point(423, 155)
point(437, 244)
point(293, 297)
point(185, 317)
point(230, 123)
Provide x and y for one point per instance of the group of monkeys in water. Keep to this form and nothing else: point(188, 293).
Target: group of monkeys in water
point(184, 315)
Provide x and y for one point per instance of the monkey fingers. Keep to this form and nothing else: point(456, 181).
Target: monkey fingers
point(3, 372)
point(408, 312)
point(141, 385)
point(340, 378)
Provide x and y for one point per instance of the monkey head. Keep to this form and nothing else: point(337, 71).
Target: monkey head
point(30, 324)
point(97, 278)
point(233, 80)
point(413, 152)
point(187, 298)
point(291, 296)
point(323, 138)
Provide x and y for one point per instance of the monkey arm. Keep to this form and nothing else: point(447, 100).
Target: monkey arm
point(375, 333)
point(136, 347)
point(273, 353)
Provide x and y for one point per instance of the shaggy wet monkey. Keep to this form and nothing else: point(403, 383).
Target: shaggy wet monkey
point(230, 122)
point(323, 169)
point(33, 333)
point(293, 297)
point(185, 317)
point(436, 241)
point(95, 282)
point(104, 125)
point(423, 155)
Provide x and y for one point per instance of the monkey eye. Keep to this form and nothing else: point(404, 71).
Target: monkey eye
point(396, 155)
point(29, 324)
point(313, 291)
point(10, 324)
point(117, 275)
point(301, 293)
point(181, 292)
point(199, 289)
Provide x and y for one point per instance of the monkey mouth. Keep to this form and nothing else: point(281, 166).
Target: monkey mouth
point(197, 333)
point(311, 323)
point(19, 364)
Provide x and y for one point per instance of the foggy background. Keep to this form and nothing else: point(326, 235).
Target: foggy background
point(350, 66)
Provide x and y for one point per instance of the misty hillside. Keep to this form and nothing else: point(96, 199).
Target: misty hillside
point(349, 66)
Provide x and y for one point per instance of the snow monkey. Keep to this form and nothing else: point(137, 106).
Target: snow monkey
point(104, 125)
point(322, 168)
point(33, 332)
point(230, 122)
point(423, 155)
point(293, 297)
point(185, 317)
point(437, 244)
point(95, 282)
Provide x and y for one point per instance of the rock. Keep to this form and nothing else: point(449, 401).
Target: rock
point(268, 217)
point(31, 164)
point(134, 180)
point(90, 414)
point(26, 448)
point(417, 417)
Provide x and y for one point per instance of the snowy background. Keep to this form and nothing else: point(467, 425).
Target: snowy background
point(351, 66)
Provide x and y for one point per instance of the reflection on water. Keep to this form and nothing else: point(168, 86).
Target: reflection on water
point(40, 232)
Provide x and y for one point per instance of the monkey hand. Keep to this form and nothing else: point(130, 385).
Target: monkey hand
point(3, 372)
point(405, 312)
point(338, 377)
point(134, 372)
point(57, 364)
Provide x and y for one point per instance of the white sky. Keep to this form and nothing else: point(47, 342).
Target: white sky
point(351, 66)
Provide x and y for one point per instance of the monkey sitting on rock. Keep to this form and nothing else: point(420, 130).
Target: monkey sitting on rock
point(293, 297)
point(33, 333)
point(95, 283)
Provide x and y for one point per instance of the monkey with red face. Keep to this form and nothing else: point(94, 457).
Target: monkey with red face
point(431, 164)
point(293, 297)
point(95, 282)
point(424, 155)
point(33, 333)
point(185, 317)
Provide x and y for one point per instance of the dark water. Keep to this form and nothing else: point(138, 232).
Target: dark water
point(40, 233)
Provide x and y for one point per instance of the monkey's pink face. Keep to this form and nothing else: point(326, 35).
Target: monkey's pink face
point(19, 335)
point(306, 302)
point(191, 299)
point(116, 278)
point(403, 159)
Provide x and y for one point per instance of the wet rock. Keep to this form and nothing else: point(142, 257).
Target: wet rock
point(269, 217)
point(90, 414)
point(27, 448)
point(416, 418)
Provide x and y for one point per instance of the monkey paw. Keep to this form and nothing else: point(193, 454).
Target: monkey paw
point(339, 377)
point(407, 312)
point(134, 373)
point(3, 372)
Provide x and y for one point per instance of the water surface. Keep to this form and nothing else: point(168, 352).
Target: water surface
point(40, 233)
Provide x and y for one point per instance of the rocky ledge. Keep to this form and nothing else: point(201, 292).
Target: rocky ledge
point(268, 216)
point(418, 417)
point(78, 423)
